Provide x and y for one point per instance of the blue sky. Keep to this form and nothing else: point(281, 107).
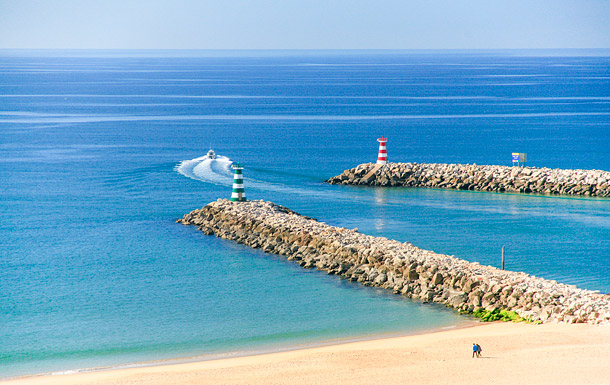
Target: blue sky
point(307, 24)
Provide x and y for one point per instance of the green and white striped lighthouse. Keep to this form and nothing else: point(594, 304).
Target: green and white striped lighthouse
point(238, 195)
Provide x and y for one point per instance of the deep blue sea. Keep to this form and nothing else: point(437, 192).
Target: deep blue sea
point(99, 156)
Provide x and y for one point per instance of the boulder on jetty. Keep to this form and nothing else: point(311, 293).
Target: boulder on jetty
point(479, 178)
point(400, 267)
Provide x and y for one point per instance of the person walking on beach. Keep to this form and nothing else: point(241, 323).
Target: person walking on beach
point(476, 350)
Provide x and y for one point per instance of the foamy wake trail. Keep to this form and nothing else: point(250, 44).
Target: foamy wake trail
point(216, 171)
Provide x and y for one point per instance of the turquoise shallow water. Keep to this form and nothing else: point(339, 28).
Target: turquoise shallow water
point(95, 271)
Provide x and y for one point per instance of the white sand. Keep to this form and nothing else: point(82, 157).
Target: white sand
point(512, 354)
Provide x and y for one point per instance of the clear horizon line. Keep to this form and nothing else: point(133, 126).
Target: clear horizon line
point(307, 49)
point(255, 52)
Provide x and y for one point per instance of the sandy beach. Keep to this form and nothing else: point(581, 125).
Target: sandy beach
point(512, 353)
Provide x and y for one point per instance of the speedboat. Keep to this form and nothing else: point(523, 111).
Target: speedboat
point(211, 154)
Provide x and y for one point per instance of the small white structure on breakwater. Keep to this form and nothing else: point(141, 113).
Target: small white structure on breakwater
point(479, 178)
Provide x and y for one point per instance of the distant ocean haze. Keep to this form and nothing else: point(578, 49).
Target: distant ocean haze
point(100, 155)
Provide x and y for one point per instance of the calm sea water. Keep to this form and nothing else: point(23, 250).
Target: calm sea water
point(98, 158)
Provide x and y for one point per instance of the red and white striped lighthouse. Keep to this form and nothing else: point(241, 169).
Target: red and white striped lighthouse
point(382, 157)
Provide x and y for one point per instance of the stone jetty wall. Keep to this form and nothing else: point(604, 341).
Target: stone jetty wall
point(481, 178)
point(401, 267)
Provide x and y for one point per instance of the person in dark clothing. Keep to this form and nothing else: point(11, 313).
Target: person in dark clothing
point(479, 350)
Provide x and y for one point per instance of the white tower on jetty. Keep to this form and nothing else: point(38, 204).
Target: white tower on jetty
point(239, 194)
point(382, 157)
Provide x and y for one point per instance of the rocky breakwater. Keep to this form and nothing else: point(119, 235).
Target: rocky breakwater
point(480, 178)
point(401, 267)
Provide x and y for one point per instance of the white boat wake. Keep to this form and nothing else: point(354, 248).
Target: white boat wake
point(215, 170)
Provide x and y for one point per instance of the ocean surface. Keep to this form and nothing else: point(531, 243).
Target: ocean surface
point(100, 153)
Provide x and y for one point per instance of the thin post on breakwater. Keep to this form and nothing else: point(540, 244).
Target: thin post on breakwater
point(400, 267)
point(502, 257)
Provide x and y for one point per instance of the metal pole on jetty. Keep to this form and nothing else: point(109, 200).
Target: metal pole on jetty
point(502, 257)
point(238, 194)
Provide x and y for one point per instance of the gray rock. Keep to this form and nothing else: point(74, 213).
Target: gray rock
point(400, 267)
point(482, 177)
